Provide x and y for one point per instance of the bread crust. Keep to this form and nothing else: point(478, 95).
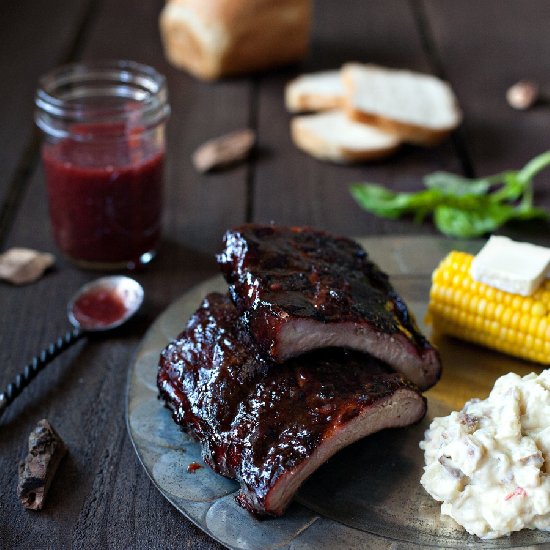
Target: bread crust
point(313, 102)
point(215, 38)
point(320, 148)
point(300, 95)
point(406, 132)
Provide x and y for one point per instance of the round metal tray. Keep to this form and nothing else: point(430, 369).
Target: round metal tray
point(368, 495)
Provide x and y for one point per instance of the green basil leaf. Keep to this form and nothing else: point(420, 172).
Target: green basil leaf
point(534, 166)
point(530, 213)
point(455, 186)
point(461, 207)
point(392, 204)
point(467, 224)
point(512, 187)
point(457, 222)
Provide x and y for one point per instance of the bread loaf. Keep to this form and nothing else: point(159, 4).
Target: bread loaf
point(214, 38)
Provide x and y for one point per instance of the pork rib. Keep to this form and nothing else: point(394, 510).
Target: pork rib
point(300, 289)
point(270, 426)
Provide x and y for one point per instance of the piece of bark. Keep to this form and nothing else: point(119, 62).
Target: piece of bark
point(24, 265)
point(224, 151)
point(46, 449)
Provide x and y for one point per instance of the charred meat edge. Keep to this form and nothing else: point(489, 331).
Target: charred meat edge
point(219, 390)
point(301, 289)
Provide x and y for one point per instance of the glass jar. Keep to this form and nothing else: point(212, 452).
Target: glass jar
point(103, 158)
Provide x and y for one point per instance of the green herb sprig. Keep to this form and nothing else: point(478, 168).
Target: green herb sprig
point(461, 207)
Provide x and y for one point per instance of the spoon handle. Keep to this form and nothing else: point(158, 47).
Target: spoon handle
point(23, 379)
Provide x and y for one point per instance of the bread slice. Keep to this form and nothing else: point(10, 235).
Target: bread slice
point(333, 136)
point(315, 92)
point(416, 107)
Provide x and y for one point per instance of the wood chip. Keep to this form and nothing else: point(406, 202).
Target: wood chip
point(224, 151)
point(23, 265)
point(36, 472)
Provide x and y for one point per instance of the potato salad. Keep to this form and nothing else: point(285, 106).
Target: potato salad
point(489, 463)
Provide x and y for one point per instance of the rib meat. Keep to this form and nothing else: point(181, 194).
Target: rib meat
point(300, 289)
point(270, 426)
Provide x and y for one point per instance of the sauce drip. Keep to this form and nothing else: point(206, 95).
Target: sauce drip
point(99, 308)
point(193, 467)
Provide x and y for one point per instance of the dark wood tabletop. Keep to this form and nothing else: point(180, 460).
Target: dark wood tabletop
point(102, 496)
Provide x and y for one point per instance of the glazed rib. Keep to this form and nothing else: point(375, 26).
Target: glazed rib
point(270, 426)
point(300, 289)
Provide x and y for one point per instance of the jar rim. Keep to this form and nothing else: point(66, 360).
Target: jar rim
point(96, 91)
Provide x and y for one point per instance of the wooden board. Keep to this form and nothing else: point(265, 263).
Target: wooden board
point(485, 47)
point(55, 25)
point(102, 494)
point(293, 188)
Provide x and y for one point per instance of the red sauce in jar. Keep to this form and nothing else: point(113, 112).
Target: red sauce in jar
point(99, 308)
point(105, 194)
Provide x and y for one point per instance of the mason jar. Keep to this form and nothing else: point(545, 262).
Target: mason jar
point(103, 157)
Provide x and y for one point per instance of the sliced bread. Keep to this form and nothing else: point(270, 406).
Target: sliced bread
point(416, 107)
point(333, 136)
point(315, 92)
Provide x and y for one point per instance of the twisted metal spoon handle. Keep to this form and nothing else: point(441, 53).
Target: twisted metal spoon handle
point(23, 379)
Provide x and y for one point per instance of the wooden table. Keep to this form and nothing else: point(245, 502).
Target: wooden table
point(102, 496)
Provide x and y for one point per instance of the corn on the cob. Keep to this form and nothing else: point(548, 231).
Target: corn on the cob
point(473, 311)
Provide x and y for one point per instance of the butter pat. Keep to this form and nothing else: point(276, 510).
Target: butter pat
point(518, 268)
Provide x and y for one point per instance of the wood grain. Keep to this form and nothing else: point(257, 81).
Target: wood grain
point(485, 47)
point(102, 497)
point(22, 63)
point(501, 48)
point(290, 186)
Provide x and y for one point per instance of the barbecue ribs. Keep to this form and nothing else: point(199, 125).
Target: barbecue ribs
point(299, 289)
point(268, 425)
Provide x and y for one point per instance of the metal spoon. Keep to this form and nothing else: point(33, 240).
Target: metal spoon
point(129, 295)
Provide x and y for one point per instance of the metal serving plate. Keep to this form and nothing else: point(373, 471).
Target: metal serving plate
point(368, 495)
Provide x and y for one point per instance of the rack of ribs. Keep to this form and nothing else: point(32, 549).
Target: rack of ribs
point(267, 425)
point(299, 289)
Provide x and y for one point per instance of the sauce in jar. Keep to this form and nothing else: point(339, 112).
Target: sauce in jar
point(105, 203)
point(103, 158)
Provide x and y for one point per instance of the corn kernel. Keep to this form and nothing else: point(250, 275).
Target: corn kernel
point(533, 324)
point(507, 316)
point(457, 298)
point(542, 328)
point(481, 307)
point(524, 323)
point(516, 302)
